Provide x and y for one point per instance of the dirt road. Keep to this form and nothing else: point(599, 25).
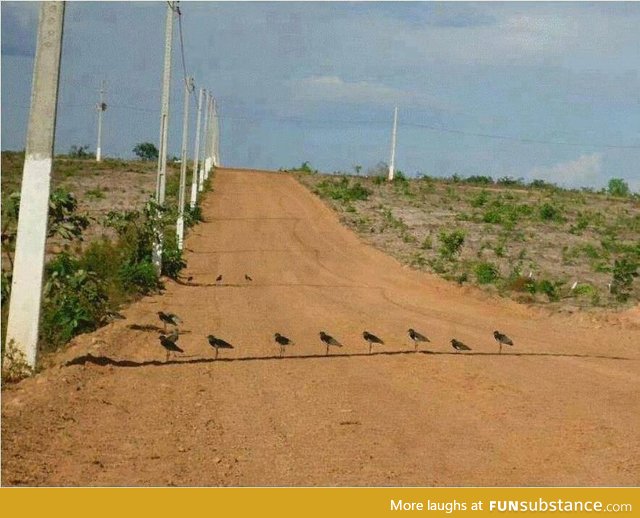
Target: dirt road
point(559, 408)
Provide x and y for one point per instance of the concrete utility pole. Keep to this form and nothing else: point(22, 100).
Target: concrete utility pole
point(209, 157)
point(392, 162)
point(101, 108)
point(216, 135)
point(204, 143)
point(164, 130)
point(196, 154)
point(188, 87)
point(26, 287)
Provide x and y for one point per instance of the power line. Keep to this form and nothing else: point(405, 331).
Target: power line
point(434, 128)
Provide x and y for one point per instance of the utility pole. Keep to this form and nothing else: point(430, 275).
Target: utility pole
point(204, 142)
point(164, 130)
point(216, 135)
point(392, 162)
point(101, 108)
point(208, 158)
point(188, 87)
point(196, 153)
point(26, 286)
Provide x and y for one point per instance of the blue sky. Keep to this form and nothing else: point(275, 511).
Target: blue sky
point(300, 81)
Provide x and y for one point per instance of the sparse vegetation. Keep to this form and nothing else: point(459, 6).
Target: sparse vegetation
point(86, 279)
point(472, 229)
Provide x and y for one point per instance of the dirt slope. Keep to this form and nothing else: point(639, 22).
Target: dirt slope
point(559, 408)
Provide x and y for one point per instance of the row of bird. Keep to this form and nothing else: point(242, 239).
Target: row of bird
point(170, 345)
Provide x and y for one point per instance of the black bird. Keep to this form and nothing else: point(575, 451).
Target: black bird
point(247, 278)
point(329, 340)
point(169, 343)
point(169, 318)
point(218, 343)
point(283, 341)
point(459, 346)
point(372, 339)
point(417, 337)
point(502, 339)
point(218, 278)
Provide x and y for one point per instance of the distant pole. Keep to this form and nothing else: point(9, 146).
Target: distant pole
point(216, 135)
point(204, 142)
point(188, 87)
point(196, 153)
point(26, 286)
point(208, 158)
point(164, 130)
point(392, 162)
point(101, 108)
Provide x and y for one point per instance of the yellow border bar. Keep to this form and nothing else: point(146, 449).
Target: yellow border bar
point(321, 502)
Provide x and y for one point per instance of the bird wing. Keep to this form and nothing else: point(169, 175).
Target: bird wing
point(419, 337)
point(174, 335)
point(222, 344)
point(332, 341)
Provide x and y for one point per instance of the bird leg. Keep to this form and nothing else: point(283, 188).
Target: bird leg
point(327, 350)
point(500, 348)
point(369, 347)
point(216, 354)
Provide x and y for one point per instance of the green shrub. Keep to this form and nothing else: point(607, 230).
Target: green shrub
point(479, 180)
point(451, 243)
point(550, 289)
point(141, 275)
point(618, 187)
point(486, 273)
point(75, 301)
point(549, 212)
point(343, 190)
point(480, 199)
point(624, 271)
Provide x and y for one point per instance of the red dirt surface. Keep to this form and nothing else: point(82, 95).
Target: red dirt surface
point(561, 407)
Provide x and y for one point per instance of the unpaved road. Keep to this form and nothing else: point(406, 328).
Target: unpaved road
point(562, 407)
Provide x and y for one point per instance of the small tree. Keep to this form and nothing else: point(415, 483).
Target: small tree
point(146, 151)
point(79, 152)
point(618, 187)
point(451, 243)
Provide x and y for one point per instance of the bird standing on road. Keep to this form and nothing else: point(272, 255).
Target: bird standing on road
point(459, 346)
point(169, 318)
point(372, 339)
point(219, 278)
point(169, 343)
point(247, 278)
point(329, 340)
point(502, 339)
point(282, 341)
point(218, 343)
point(417, 338)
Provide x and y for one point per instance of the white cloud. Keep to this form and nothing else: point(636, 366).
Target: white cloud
point(333, 88)
point(584, 171)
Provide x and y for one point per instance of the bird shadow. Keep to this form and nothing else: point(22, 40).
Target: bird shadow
point(104, 361)
point(150, 328)
point(146, 327)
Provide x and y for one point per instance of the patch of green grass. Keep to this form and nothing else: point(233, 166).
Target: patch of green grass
point(96, 193)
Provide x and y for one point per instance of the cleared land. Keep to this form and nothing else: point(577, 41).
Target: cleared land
point(560, 408)
point(529, 244)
